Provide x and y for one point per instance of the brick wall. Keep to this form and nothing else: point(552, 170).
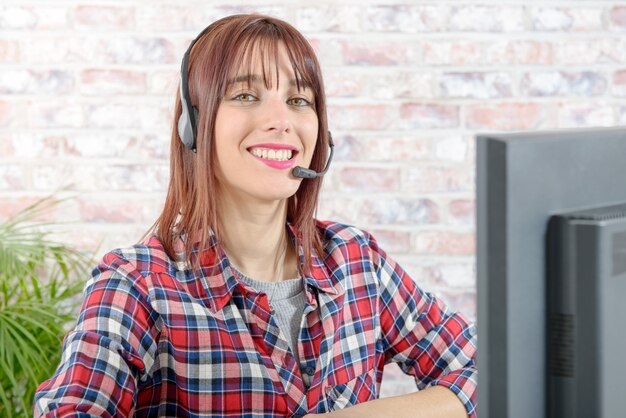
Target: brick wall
point(86, 95)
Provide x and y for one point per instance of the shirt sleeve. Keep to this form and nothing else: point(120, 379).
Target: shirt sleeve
point(423, 336)
point(110, 351)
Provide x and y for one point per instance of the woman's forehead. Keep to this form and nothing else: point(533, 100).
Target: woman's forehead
point(269, 63)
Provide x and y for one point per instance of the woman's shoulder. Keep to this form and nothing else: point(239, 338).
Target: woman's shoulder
point(145, 257)
point(340, 233)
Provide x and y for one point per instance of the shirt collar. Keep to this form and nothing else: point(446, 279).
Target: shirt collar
point(218, 280)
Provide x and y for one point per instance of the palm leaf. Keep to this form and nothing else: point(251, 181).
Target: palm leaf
point(40, 280)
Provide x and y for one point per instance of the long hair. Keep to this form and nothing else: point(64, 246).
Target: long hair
point(191, 202)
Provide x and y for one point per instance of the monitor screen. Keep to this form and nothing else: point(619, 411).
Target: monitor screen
point(522, 180)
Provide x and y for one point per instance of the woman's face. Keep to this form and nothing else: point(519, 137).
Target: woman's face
point(262, 133)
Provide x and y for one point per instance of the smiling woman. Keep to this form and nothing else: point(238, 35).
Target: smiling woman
point(239, 303)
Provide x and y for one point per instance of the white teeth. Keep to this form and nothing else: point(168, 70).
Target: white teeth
point(271, 154)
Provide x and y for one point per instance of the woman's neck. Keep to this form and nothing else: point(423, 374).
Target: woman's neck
point(255, 239)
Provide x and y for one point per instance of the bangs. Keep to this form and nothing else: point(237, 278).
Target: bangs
point(262, 42)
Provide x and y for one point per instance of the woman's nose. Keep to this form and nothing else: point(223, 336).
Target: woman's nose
point(276, 115)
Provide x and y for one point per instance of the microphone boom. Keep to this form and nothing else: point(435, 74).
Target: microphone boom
point(307, 173)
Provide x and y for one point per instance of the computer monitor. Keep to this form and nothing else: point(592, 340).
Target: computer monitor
point(523, 179)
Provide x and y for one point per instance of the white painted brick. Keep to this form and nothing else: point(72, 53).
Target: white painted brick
point(511, 52)
point(112, 17)
point(383, 147)
point(129, 49)
point(452, 148)
point(456, 52)
point(44, 82)
point(330, 18)
point(619, 83)
point(140, 116)
point(428, 116)
point(402, 85)
point(566, 19)
point(406, 18)
point(617, 18)
point(339, 82)
point(103, 82)
point(452, 275)
point(461, 243)
point(154, 146)
point(52, 176)
point(438, 179)
point(9, 51)
point(561, 83)
point(398, 211)
point(587, 114)
point(170, 17)
point(97, 144)
point(13, 114)
point(376, 52)
point(370, 117)
point(55, 114)
point(461, 211)
point(511, 116)
point(476, 85)
point(590, 51)
point(487, 18)
point(164, 83)
point(551, 19)
point(13, 177)
point(29, 145)
point(54, 17)
point(15, 17)
point(56, 49)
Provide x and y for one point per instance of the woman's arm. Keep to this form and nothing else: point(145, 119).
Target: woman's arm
point(112, 345)
point(432, 402)
point(427, 340)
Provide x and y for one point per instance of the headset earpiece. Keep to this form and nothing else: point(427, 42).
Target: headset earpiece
point(187, 122)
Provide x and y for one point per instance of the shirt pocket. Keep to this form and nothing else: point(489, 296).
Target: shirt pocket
point(360, 389)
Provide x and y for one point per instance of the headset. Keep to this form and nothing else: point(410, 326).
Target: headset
point(187, 122)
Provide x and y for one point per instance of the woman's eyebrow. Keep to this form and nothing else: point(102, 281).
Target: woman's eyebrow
point(301, 83)
point(256, 79)
point(245, 78)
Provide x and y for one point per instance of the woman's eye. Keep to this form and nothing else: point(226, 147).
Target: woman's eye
point(299, 101)
point(244, 97)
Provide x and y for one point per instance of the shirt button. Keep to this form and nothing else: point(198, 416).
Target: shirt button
point(272, 311)
point(310, 371)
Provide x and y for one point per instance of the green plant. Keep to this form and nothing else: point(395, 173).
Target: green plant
point(40, 280)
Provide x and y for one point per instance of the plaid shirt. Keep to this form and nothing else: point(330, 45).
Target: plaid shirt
point(153, 339)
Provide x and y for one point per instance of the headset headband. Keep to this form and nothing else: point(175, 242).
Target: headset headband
point(188, 118)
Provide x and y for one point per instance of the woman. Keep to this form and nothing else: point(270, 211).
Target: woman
point(240, 303)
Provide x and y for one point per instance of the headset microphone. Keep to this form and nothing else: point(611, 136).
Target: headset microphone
point(307, 173)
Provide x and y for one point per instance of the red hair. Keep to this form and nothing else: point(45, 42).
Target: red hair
point(191, 201)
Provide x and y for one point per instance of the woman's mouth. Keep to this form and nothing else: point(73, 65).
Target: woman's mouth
point(279, 158)
point(272, 154)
